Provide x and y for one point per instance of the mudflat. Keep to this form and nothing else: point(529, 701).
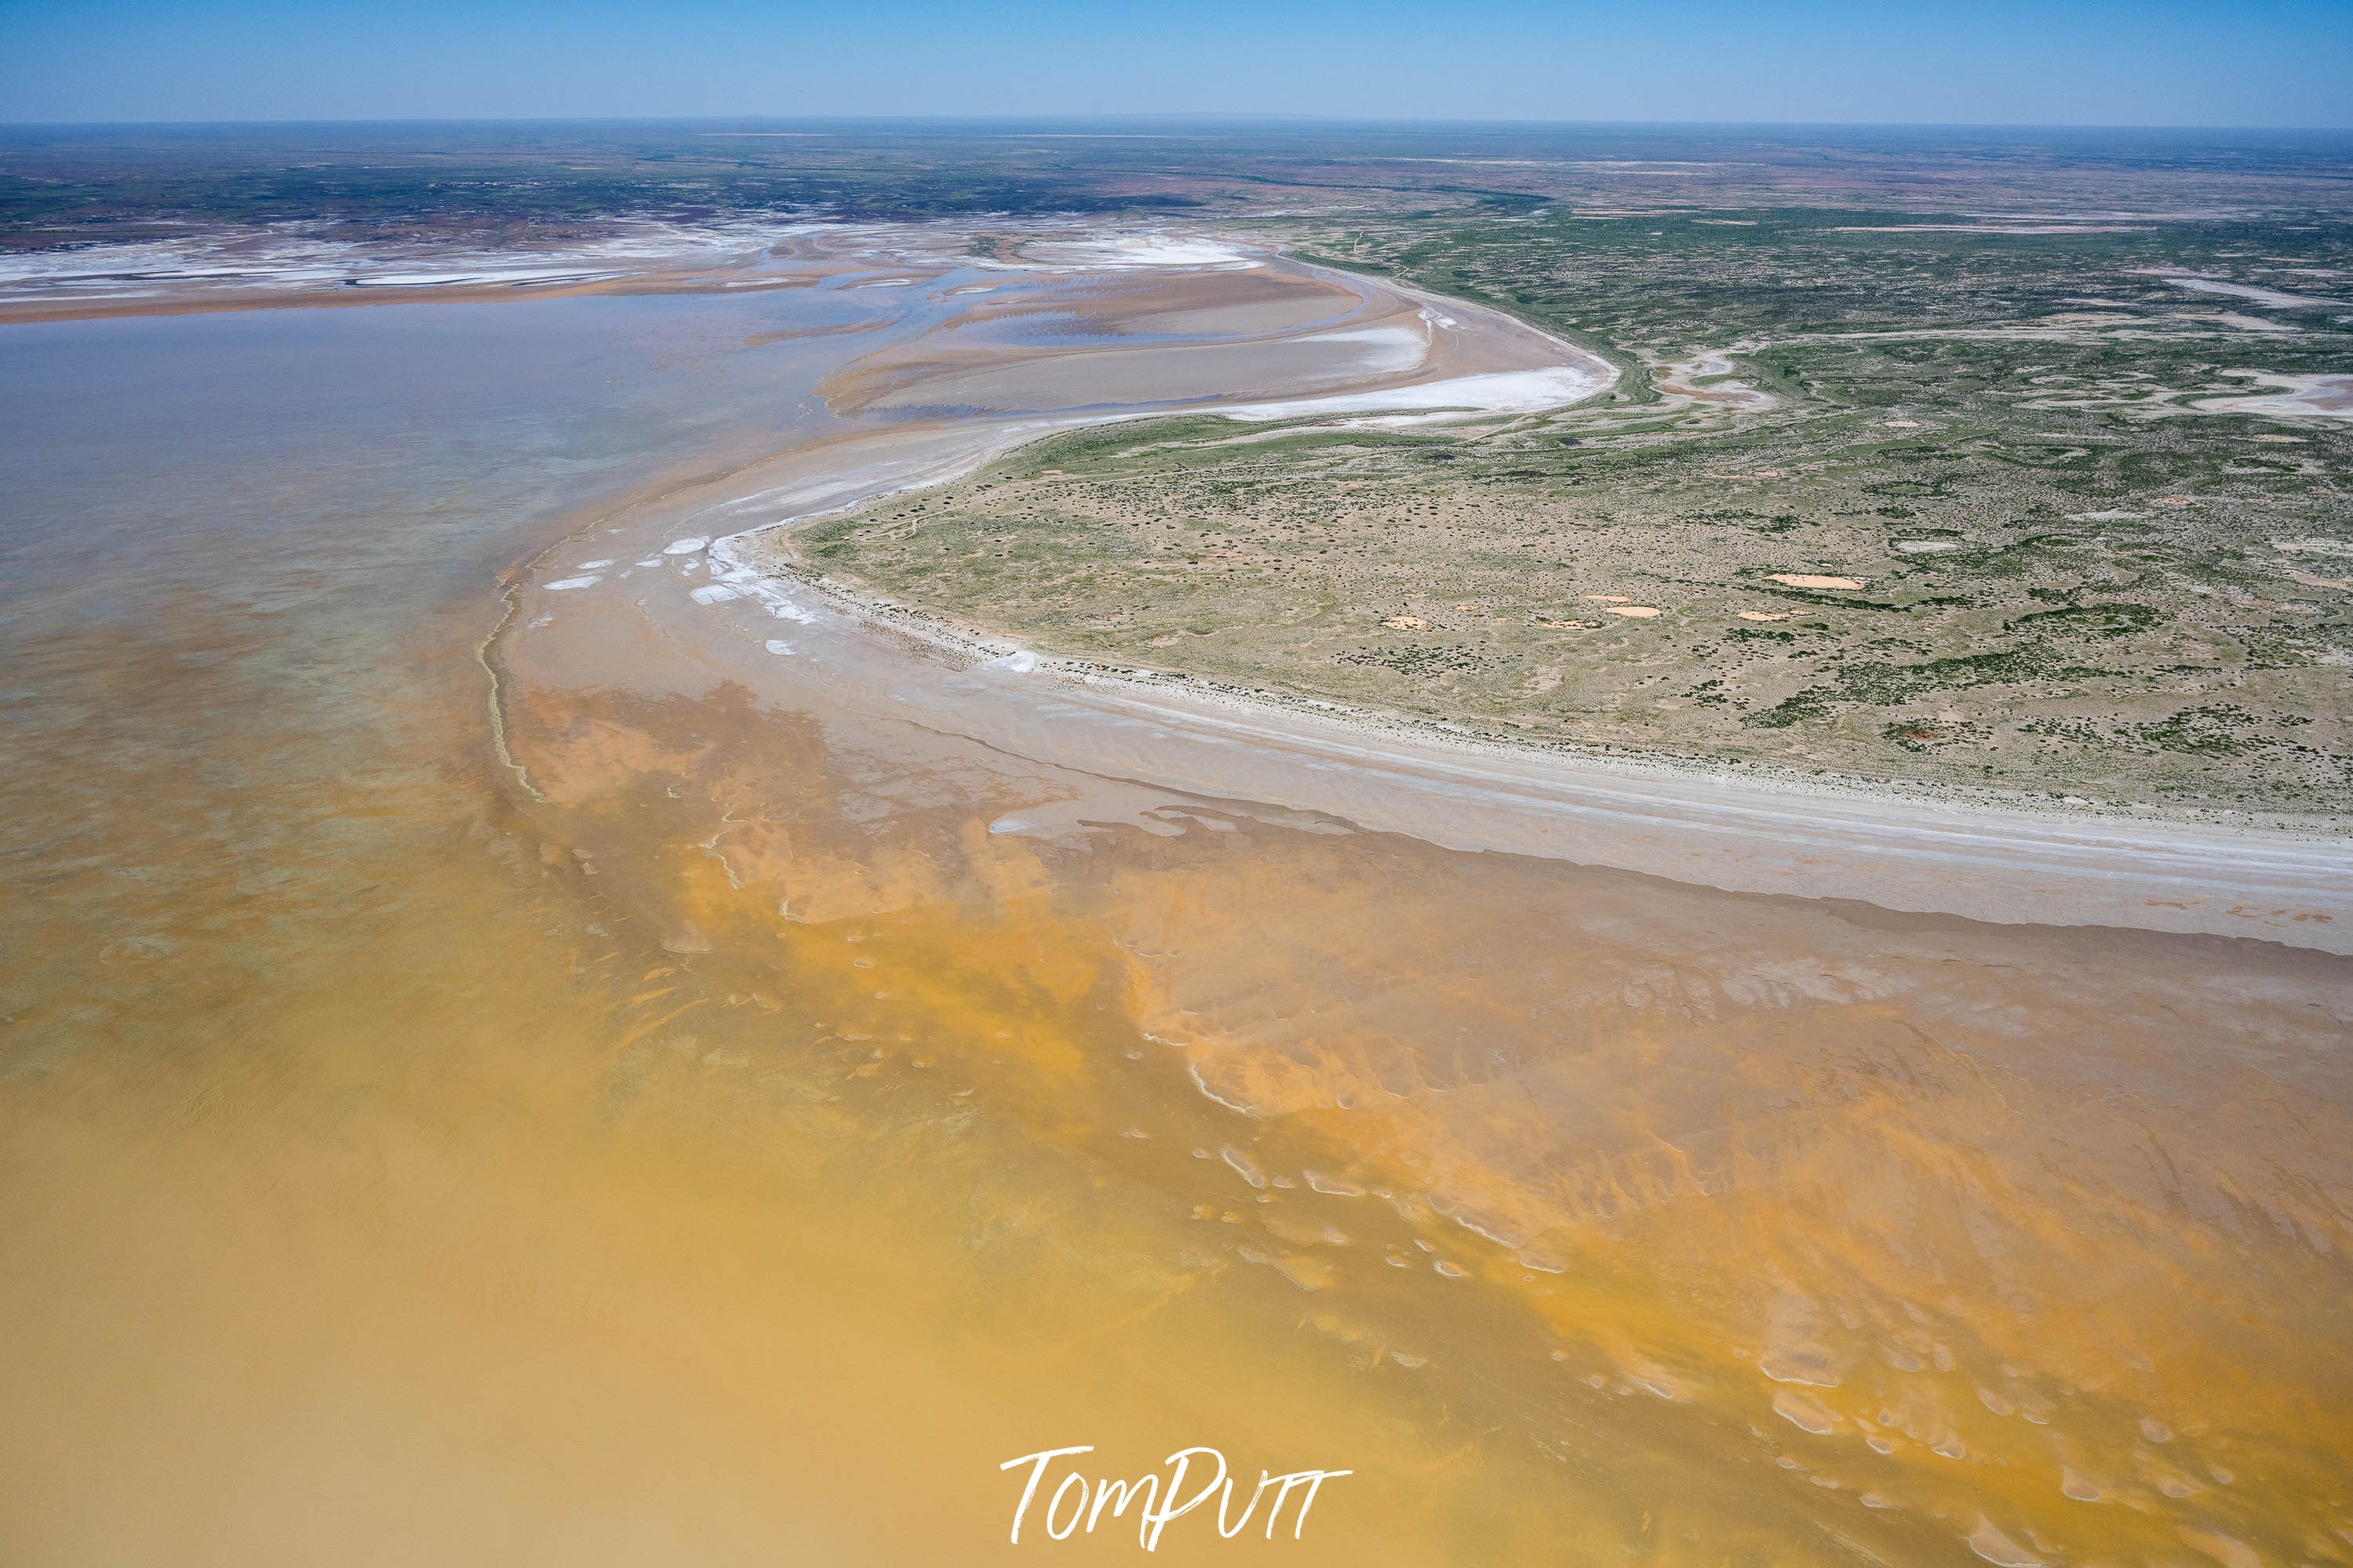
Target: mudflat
point(565, 1002)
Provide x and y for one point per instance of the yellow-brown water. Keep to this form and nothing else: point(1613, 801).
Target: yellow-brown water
point(728, 1148)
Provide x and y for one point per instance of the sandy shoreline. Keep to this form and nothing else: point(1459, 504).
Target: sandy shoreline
point(236, 271)
point(1924, 850)
point(22, 312)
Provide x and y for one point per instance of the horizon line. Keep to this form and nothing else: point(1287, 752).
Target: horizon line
point(1195, 118)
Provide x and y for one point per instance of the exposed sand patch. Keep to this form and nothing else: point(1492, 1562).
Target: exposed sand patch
point(1385, 349)
point(1495, 392)
point(2239, 322)
point(2300, 397)
point(2017, 228)
point(1809, 580)
point(1707, 377)
point(1255, 339)
point(273, 269)
point(1192, 252)
point(1633, 612)
point(2271, 296)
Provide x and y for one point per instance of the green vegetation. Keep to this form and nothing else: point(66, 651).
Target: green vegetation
point(2079, 574)
point(2071, 582)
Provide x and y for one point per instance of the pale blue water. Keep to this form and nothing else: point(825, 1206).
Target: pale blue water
point(243, 557)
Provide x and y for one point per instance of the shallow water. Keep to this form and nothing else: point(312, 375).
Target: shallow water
point(729, 1131)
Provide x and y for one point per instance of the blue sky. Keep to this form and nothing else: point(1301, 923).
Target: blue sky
point(2157, 62)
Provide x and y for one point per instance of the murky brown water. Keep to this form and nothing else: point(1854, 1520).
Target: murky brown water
point(730, 1133)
